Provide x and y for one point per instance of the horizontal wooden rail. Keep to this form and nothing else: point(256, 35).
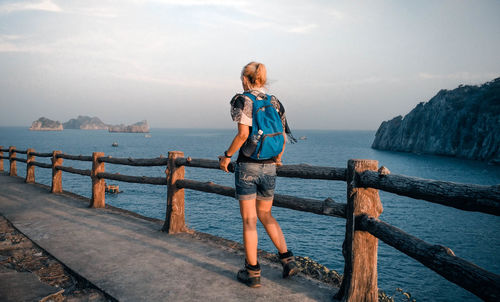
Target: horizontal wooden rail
point(22, 151)
point(4, 149)
point(467, 197)
point(73, 170)
point(144, 162)
point(4, 157)
point(440, 259)
point(135, 179)
point(41, 154)
point(41, 165)
point(23, 160)
point(323, 207)
point(296, 171)
point(74, 157)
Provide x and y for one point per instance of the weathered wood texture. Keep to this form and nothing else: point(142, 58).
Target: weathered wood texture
point(30, 169)
point(442, 260)
point(23, 160)
point(56, 174)
point(134, 179)
point(1, 158)
point(12, 161)
point(74, 171)
point(467, 197)
point(98, 184)
point(322, 207)
point(37, 154)
point(174, 219)
point(22, 151)
point(75, 157)
point(4, 157)
point(201, 163)
point(360, 248)
point(2, 149)
point(42, 165)
point(143, 162)
point(296, 171)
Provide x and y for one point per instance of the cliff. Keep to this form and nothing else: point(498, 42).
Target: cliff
point(139, 127)
point(45, 124)
point(463, 122)
point(85, 123)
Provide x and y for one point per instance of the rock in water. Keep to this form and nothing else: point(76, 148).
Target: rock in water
point(139, 127)
point(464, 122)
point(85, 123)
point(45, 124)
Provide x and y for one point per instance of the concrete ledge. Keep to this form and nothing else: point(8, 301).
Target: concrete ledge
point(129, 257)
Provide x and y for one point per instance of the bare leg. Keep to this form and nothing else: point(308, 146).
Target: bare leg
point(250, 239)
point(272, 227)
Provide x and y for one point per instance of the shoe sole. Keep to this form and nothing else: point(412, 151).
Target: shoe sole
point(249, 283)
point(294, 271)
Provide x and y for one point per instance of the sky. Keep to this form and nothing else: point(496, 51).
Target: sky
point(333, 64)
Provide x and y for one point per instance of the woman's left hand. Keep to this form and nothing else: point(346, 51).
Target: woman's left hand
point(224, 162)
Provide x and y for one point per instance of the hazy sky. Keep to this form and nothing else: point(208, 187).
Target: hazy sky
point(334, 64)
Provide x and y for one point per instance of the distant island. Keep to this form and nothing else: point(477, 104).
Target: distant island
point(88, 123)
point(139, 127)
point(85, 123)
point(45, 124)
point(463, 122)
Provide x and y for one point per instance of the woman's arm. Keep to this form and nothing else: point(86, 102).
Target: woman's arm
point(238, 141)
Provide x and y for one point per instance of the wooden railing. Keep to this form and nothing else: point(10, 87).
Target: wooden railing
point(363, 207)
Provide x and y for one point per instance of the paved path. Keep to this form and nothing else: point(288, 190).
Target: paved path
point(131, 260)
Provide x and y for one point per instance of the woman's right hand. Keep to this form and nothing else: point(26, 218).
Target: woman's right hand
point(224, 162)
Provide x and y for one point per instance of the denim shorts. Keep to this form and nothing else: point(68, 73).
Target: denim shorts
point(255, 181)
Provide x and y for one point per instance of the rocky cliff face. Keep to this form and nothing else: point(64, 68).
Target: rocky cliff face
point(464, 122)
point(85, 123)
point(139, 127)
point(45, 124)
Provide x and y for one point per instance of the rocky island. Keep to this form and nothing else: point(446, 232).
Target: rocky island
point(463, 122)
point(85, 123)
point(45, 124)
point(139, 127)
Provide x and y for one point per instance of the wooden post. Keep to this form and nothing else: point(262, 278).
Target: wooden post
point(30, 169)
point(56, 174)
point(174, 220)
point(98, 184)
point(360, 248)
point(12, 155)
point(1, 159)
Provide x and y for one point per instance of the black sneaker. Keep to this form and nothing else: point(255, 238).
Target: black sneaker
point(250, 275)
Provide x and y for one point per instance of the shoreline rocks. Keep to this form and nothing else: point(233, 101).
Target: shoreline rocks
point(463, 122)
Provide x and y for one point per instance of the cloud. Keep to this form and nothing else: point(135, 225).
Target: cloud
point(462, 75)
point(302, 29)
point(46, 5)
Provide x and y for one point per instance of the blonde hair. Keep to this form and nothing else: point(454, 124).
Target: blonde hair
point(254, 74)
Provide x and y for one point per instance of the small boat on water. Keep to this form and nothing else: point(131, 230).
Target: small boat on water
point(303, 138)
point(113, 189)
point(147, 135)
point(114, 144)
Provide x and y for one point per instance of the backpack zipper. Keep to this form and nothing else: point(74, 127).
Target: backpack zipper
point(263, 138)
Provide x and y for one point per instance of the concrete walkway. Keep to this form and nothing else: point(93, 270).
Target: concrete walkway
point(130, 259)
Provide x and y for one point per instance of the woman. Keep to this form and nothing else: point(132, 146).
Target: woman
point(255, 179)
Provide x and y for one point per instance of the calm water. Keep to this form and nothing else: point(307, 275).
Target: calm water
point(472, 236)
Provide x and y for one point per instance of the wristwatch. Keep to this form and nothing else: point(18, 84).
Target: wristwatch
point(227, 156)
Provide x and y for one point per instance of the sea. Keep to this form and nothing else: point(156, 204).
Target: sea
point(472, 236)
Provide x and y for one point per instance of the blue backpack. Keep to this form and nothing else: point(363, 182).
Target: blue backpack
point(266, 118)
